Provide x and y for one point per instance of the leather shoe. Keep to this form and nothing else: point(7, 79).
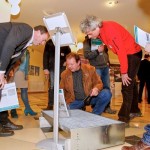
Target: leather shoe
point(48, 108)
point(110, 111)
point(11, 126)
point(139, 146)
point(4, 132)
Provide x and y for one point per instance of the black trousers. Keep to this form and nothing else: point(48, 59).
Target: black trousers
point(130, 92)
point(148, 89)
point(141, 87)
point(51, 88)
point(4, 117)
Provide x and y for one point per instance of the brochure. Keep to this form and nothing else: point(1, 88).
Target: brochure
point(63, 111)
point(9, 98)
point(95, 44)
point(141, 37)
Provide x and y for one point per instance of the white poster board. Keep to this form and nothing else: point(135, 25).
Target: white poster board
point(63, 111)
point(59, 20)
point(95, 43)
point(141, 37)
point(9, 98)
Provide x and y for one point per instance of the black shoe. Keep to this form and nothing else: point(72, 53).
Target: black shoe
point(48, 108)
point(110, 111)
point(11, 126)
point(4, 132)
point(139, 100)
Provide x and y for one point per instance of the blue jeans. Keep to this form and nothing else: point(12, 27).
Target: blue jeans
point(24, 97)
point(104, 74)
point(146, 135)
point(99, 102)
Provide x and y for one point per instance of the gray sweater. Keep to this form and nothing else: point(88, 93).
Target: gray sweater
point(96, 59)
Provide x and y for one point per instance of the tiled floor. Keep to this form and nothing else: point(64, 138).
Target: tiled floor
point(27, 138)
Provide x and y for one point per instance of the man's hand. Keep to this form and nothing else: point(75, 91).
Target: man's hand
point(94, 92)
point(46, 72)
point(125, 79)
point(2, 80)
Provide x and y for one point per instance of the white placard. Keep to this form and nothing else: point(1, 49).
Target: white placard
point(59, 20)
point(95, 43)
point(141, 37)
point(63, 111)
point(9, 98)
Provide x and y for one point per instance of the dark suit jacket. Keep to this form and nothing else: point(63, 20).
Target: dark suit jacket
point(49, 55)
point(13, 38)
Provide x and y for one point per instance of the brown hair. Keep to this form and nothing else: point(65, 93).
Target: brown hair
point(73, 55)
point(42, 29)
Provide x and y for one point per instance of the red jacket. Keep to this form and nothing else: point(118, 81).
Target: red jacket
point(120, 41)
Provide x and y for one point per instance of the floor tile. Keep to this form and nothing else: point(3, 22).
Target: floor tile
point(27, 138)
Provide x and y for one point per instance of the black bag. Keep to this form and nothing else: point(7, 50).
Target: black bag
point(87, 100)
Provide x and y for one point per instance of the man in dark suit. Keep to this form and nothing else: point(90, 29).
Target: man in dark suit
point(48, 66)
point(14, 39)
point(144, 77)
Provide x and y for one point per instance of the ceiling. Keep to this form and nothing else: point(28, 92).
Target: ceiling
point(126, 12)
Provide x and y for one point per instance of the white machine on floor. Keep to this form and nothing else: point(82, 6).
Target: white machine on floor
point(87, 131)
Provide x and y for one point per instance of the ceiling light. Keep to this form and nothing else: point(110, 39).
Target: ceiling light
point(112, 3)
point(15, 8)
point(13, 2)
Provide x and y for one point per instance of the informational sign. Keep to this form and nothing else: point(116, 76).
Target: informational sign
point(59, 20)
point(95, 43)
point(9, 98)
point(141, 37)
point(63, 111)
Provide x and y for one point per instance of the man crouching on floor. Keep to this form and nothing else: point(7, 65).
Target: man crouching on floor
point(80, 80)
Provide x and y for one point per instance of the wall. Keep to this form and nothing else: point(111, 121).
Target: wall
point(4, 11)
point(37, 82)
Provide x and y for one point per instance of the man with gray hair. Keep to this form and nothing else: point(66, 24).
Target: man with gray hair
point(121, 42)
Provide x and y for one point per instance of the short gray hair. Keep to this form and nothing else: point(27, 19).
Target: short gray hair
point(90, 23)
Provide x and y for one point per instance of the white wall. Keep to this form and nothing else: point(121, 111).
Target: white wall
point(4, 11)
